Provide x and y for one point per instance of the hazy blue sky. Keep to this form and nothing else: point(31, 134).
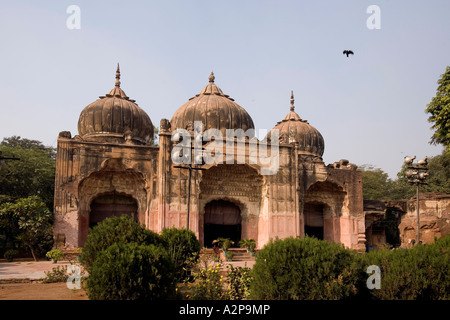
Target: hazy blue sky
point(369, 107)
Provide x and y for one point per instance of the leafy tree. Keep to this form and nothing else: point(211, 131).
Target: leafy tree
point(439, 108)
point(403, 190)
point(438, 179)
point(439, 173)
point(376, 183)
point(30, 221)
point(34, 174)
point(18, 142)
point(378, 186)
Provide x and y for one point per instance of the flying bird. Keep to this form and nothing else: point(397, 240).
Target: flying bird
point(347, 52)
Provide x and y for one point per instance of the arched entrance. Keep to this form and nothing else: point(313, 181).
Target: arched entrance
point(112, 205)
point(222, 219)
point(313, 215)
point(323, 209)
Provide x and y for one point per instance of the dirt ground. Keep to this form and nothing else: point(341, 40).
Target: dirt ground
point(40, 291)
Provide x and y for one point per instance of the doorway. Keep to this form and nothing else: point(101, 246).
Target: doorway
point(313, 215)
point(112, 205)
point(222, 219)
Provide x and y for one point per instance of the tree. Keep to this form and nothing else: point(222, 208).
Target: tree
point(30, 221)
point(401, 187)
point(33, 174)
point(439, 108)
point(439, 173)
point(376, 183)
point(438, 177)
point(378, 186)
point(17, 141)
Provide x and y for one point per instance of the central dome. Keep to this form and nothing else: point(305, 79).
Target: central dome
point(214, 109)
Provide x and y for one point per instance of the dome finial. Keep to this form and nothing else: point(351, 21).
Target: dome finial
point(292, 100)
point(211, 77)
point(118, 76)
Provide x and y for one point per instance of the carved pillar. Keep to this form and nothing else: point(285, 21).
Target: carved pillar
point(296, 190)
point(164, 162)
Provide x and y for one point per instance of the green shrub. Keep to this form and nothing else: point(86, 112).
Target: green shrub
point(304, 268)
point(129, 271)
point(29, 221)
point(250, 244)
point(224, 243)
point(115, 230)
point(182, 245)
point(420, 273)
point(207, 283)
point(238, 279)
point(10, 254)
point(58, 274)
point(54, 254)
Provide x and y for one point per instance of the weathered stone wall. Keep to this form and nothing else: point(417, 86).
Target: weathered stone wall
point(374, 212)
point(434, 210)
point(85, 170)
point(279, 216)
point(339, 188)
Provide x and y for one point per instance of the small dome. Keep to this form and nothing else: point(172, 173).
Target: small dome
point(292, 129)
point(115, 118)
point(214, 109)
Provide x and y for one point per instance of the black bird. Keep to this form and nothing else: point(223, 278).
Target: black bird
point(347, 52)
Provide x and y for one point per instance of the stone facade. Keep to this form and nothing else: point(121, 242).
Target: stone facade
point(251, 190)
point(434, 219)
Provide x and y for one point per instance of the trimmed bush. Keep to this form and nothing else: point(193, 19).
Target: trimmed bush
point(239, 280)
point(129, 271)
point(420, 273)
point(58, 274)
point(54, 255)
point(181, 244)
point(115, 230)
point(304, 268)
point(207, 284)
point(10, 254)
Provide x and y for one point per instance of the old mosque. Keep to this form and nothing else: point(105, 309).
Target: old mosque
point(113, 166)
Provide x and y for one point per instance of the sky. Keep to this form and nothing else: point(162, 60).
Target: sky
point(369, 107)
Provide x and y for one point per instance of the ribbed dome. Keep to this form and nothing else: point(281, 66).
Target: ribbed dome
point(115, 118)
point(293, 129)
point(214, 109)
